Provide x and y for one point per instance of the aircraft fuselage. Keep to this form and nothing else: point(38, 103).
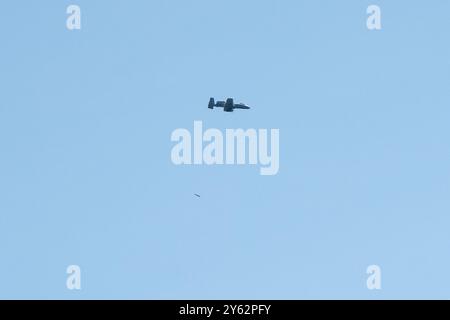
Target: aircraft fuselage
point(228, 105)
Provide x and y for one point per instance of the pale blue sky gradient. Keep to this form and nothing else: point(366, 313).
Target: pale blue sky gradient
point(85, 170)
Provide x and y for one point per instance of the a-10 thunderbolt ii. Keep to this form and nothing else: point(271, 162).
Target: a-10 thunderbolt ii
point(228, 105)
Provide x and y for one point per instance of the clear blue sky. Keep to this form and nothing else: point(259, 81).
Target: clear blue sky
point(85, 170)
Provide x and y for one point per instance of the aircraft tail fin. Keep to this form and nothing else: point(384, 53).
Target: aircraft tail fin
point(211, 103)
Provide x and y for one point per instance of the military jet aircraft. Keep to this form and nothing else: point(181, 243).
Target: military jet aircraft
point(228, 105)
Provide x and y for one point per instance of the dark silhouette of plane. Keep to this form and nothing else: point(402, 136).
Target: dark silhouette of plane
point(228, 105)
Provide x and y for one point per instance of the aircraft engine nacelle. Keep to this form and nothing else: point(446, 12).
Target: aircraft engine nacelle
point(228, 107)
